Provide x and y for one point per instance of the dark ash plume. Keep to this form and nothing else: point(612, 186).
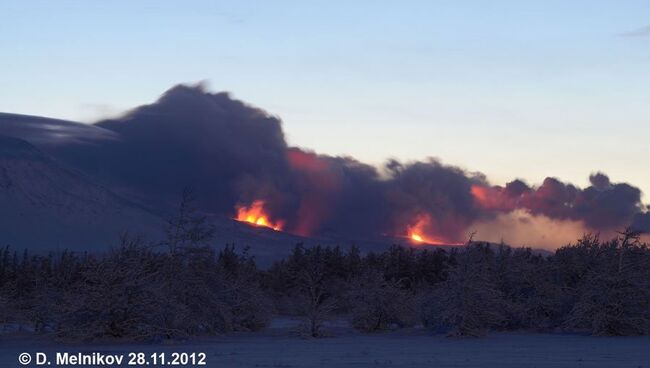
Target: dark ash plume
point(225, 150)
point(601, 206)
point(641, 222)
point(233, 154)
point(439, 191)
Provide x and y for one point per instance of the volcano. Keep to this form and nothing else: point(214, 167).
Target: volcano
point(236, 160)
point(45, 206)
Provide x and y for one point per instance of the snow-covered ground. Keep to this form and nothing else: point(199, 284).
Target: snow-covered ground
point(280, 347)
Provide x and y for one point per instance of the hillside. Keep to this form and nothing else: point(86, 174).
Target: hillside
point(47, 206)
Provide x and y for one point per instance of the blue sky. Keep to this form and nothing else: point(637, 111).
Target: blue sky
point(523, 89)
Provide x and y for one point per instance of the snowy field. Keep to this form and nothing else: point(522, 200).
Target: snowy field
point(280, 347)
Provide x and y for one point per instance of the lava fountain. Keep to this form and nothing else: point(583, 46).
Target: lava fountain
point(418, 233)
point(255, 214)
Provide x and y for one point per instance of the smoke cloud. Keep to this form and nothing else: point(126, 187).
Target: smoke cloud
point(233, 154)
point(601, 206)
point(224, 149)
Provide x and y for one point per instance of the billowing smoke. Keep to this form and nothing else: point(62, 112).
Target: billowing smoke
point(343, 195)
point(335, 194)
point(641, 222)
point(234, 155)
point(601, 206)
point(441, 194)
point(224, 149)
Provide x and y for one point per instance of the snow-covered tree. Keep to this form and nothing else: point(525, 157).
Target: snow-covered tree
point(115, 298)
point(468, 303)
point(377, 304)
point(312, 290)
point(315, 303)
point(531, 298)
point(614, 295)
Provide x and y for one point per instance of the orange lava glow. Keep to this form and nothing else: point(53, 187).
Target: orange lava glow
point(254, 214)
point(417, 238)
point(418, 232)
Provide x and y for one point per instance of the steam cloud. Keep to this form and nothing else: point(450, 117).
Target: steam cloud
point(232, 154)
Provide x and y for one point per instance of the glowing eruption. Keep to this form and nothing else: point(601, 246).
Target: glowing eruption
point(419, 234)
point(417, 238)
point(254, 214)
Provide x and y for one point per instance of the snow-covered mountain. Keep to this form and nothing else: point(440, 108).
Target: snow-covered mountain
point(45, 206)
point(46, 132)
point(48, 202)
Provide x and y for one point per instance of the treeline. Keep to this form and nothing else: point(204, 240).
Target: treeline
point(137, 291)
point(140, 291)
point(594, 286)
point(133, 292)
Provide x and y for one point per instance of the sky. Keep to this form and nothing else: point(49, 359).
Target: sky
point(514, 89)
